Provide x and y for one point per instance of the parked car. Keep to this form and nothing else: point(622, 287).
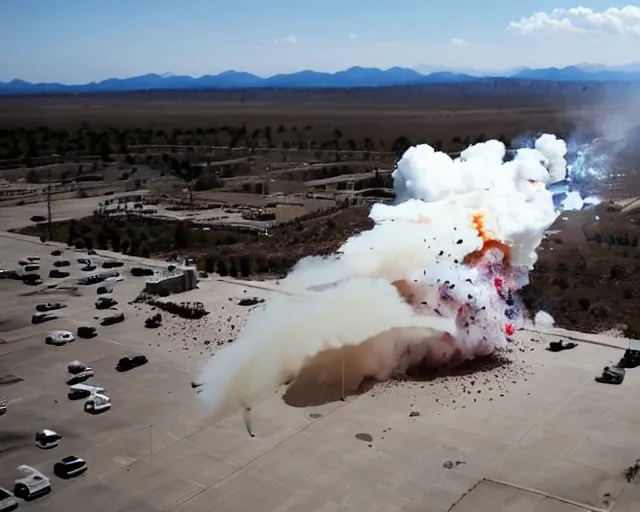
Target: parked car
point(8, 274)
point(80, 391)
point(128, 363)
point(31, 485)
point(153, 321)
point(59, 338)
point(79, 378)
point(38, 218)
point(104, 289)
point(3, 407)
point(7, 501)
point(39, 318)
point(89, 280)
point(86, 331)
point(84, 261)
point(61, 263)
point(70, 467)
point(89, 268)
point(56, 252)
point(49, 306)
point(105, 302)
point(112, 264)
point(141, 271)
point(112, 319)
point(97, 403)
point(32, 278)
point(47, 439)
point(55, 273)
point(76, 367)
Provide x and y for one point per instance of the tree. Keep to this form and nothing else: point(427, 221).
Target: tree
point(233, 268)
point(245, 266)
point(103, 240)
point(33, 176)
point(223, 271)
point(72, 232)
point(181, 235)
point(105, 150)
point(210, 264)
point(400, 145)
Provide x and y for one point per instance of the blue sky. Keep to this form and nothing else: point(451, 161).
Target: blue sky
point(76, 41)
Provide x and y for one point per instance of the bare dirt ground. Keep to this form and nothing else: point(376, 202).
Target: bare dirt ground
point(538, 431)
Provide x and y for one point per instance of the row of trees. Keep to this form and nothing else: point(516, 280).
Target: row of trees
point(44, 141)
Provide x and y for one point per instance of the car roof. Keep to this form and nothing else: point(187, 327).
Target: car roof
point(71, 458)
point(48, 432)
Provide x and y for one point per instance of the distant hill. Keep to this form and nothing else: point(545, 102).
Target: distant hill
point(355, 77)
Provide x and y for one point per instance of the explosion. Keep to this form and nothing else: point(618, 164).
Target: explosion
point(432, 284)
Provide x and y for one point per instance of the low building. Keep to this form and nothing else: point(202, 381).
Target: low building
point(176, 281)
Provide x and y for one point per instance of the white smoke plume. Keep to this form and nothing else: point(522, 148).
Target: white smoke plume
point(431, 284)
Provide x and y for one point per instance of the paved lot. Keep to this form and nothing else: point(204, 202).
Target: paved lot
point(61, 209)
point(537, 436)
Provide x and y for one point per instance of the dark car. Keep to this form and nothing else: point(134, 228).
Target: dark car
point(86, 331)
point(128, 363)
point(112, 319)
point(112, 264)
point(89, 268)
point(58, 274)
point(70, 467)
point(49, 306)
point(89, 280)
point(141, 271)
point(153, 321)
point(104, 289)
point(105, 302)
point(78, 394)
point(61, 263)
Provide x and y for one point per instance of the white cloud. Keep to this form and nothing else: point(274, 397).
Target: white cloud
point(621, 21)
point(291, 40)
point(353, 37)
point(456, 41)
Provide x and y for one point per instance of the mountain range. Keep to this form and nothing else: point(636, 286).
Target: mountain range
point(354, 77)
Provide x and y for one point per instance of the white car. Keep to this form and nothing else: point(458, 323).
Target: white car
point(31, 485)
point(80, 391)
point(59, 338)
point(78, 378)
point(97, 403)
point(47, 439)
point(7, 501)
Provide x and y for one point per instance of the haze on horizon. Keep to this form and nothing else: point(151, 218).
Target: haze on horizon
point(74, 41)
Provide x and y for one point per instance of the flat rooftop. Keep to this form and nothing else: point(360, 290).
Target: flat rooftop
point(538, 435)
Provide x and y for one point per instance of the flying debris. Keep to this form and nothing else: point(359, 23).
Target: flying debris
point(433, 283)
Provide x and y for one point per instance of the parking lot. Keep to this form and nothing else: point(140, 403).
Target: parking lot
point(537, 436)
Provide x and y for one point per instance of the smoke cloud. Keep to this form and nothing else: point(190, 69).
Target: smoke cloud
point(432, 284)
